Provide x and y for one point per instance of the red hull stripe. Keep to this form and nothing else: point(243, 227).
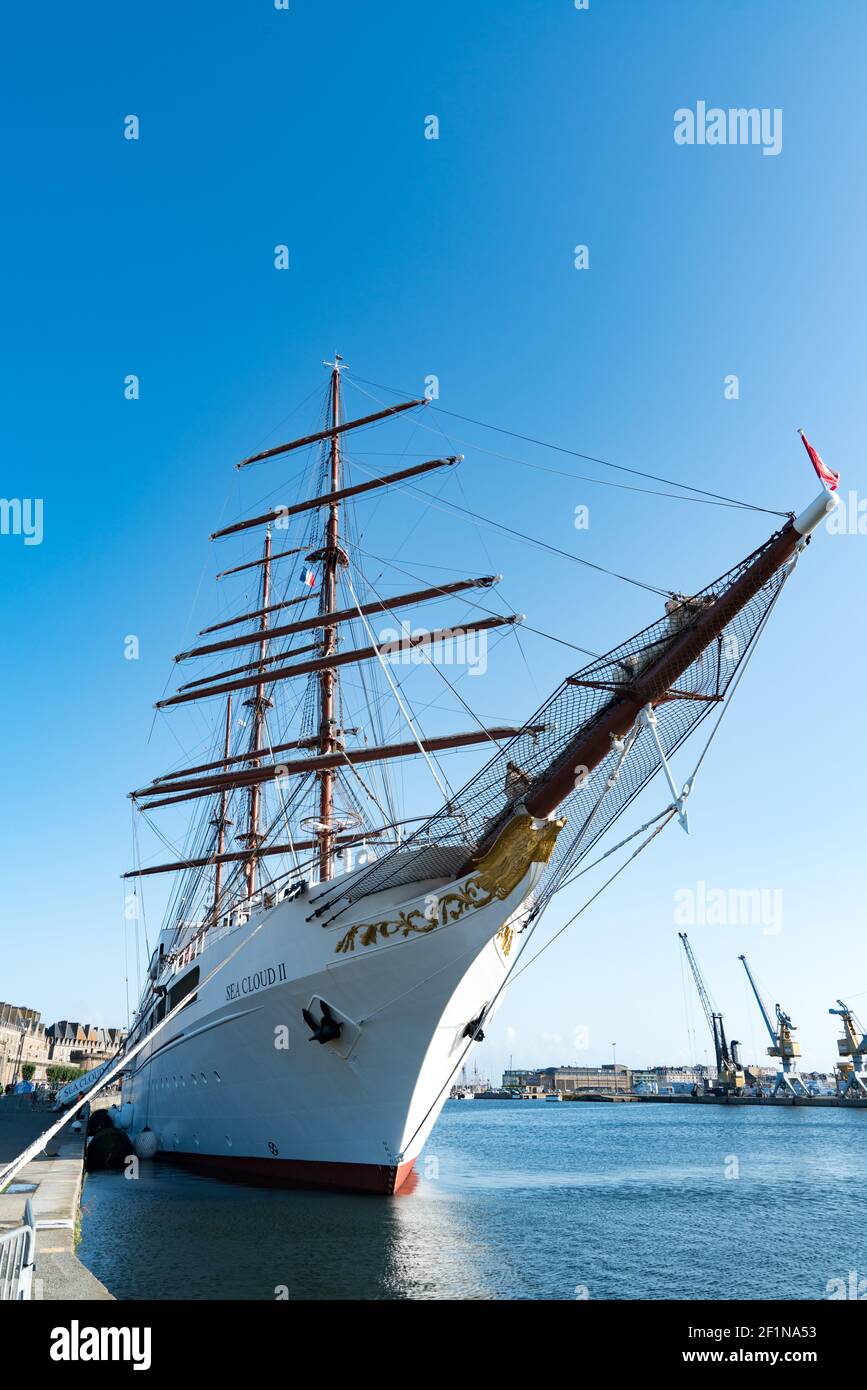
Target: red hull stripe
point(291, 1172)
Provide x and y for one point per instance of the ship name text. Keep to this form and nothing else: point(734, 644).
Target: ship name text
point(257, 980)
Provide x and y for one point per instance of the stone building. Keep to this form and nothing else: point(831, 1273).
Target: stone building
point(22, 1039)
point(25, 1039)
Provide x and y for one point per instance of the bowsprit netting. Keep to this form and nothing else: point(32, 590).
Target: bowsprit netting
point(443, 843)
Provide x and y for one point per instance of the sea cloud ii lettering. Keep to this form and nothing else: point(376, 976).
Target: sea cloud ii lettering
point(258, 979)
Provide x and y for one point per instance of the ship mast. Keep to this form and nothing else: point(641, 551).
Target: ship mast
point(331, 558)
point(324, 751)
point(221, 820)
point(259, 703)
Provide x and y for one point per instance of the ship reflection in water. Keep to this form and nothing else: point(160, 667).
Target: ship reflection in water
point(176, 1234)
point(513, 1200)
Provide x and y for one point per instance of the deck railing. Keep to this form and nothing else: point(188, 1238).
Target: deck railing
point(18, 1259)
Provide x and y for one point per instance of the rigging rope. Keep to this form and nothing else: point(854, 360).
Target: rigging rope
point(426, 656)
point(192, 885)
point(441, 503)
point(279, 780)
point(534, 914)
point(514, 975)
point(574, 453)
point(527, 627)
point(9, 1172)
point(668, 817)
point(445, 790)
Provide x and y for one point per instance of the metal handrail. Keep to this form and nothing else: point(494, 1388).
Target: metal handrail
point(18, 1259)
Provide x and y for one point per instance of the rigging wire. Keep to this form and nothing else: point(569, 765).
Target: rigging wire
point(126, 958)
point(705, 750)
point(534, 916)
point(263, 439)
point(279, 781)
point(426, 656)
point(533, 924)
point(480, 521)
point(445, 790)
point(367, 682)
point(574, 453)
point(120, 1063)
point(137, 860)
point(665, 818)
point(539, 632)
point(483, 544)
point(441, 503)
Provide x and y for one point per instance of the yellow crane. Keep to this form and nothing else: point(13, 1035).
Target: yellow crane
point(783, 1045)
point(851, 1078)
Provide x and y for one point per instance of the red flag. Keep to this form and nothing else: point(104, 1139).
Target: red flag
point(826, 476)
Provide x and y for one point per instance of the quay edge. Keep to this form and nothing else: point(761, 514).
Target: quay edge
point(58, 1175)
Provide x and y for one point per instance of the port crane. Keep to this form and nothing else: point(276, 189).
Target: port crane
point(782, 1045)
point(730, 1073)
point(852, 1075)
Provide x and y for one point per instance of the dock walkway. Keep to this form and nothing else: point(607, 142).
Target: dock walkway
point(58, 1177)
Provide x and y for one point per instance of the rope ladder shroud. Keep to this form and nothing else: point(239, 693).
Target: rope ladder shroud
point(466, 821)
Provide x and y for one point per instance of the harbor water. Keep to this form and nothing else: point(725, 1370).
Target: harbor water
point(517, 1200)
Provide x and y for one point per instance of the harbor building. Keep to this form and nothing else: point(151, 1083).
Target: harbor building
point(516, 1079)
point(22, 1040)
point(608, 1079)
point(26, 1041)
point(669, 1081)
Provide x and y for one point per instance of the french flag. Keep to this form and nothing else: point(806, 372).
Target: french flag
point(308, 578)
point(827, 476)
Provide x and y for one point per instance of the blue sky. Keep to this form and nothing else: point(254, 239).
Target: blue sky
point(454, 257)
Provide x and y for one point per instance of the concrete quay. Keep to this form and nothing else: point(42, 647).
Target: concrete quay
point(57, 1175)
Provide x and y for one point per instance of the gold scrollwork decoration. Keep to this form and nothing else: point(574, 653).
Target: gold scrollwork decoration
point(505, 937)
point(497, 875)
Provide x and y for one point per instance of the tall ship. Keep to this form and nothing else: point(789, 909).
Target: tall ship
point(328, 962)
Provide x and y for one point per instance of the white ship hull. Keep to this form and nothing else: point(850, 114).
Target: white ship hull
point(235, 1082)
